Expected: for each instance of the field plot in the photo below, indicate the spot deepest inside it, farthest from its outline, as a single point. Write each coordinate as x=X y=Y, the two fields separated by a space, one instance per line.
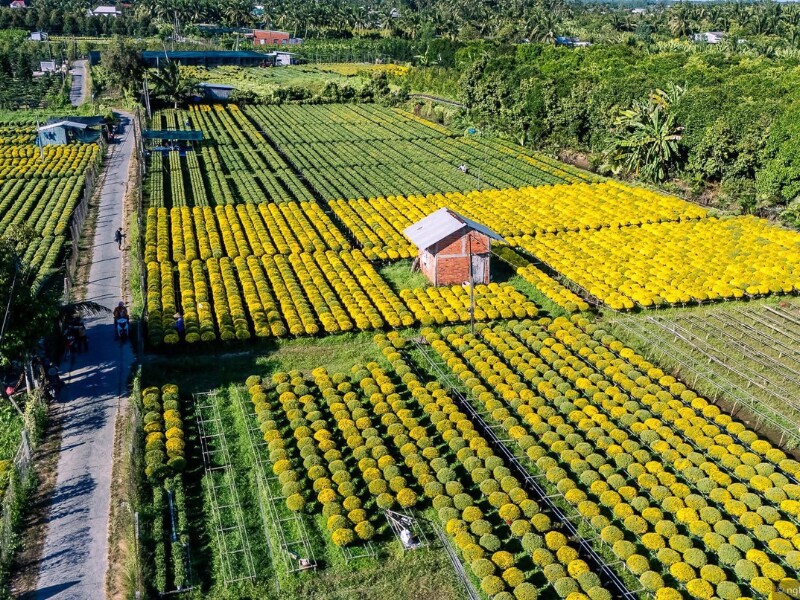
x=237 y=164
x=239 y=230
x=352 y=445
x=363 y=151
x=748 y=355
x=687 y=498
x=380 y=221
x=39 y=192
x=263 y=82
x=675 y=263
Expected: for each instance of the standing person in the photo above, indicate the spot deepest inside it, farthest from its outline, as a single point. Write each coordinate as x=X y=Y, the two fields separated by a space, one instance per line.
x=118 y=237
x=179 y=325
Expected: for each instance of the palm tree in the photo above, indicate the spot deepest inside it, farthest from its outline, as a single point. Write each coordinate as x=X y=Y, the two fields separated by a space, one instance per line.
x=171 y=84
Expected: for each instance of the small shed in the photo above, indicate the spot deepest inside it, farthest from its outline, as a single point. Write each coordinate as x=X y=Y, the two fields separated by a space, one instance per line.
x=65 y=132
x=452 y=248
x=215 y=91
x=105 y=11
x=283 y=59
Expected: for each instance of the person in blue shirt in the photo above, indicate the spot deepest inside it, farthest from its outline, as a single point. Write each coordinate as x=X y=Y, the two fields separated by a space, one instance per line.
x=179 y=326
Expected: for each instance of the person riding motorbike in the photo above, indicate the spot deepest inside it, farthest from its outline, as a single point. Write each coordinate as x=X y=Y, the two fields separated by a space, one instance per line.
x=121 y=320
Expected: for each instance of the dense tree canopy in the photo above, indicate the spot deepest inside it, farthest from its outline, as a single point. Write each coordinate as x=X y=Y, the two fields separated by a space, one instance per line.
x=502 y=20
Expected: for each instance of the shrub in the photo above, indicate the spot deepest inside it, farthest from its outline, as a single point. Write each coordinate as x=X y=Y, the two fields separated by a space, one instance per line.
x=492 y=585
x=526 y=591
x=406 y=498
x=503 y=559
x=682 y=572
x=343 y=537
x=513 y=577
x=364 y=530
x=482 y=568
x=490 y=541
x=472 y=513
x=698 y=588
x=565 y=586
x=295 y=503
x=651 y=581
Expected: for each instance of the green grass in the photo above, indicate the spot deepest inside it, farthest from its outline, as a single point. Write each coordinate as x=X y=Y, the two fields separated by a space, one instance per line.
x=10 y=431
x=208 y=371
x=551 y=308
x=400 y=276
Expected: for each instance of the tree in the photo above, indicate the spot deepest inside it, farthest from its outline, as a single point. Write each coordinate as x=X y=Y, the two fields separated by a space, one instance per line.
x=172 y=84
x=123 y=64
x=28 y=305
x=646 y=137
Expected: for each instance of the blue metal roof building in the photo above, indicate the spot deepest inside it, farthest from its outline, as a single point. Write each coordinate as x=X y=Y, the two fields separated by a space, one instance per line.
x=208 y=58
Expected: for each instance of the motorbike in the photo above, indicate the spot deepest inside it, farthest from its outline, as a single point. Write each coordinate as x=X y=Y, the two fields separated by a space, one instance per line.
x=122 y=328
x=53 y=383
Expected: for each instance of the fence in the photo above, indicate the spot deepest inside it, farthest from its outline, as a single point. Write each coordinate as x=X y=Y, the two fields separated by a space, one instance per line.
x=138 y=182
x=78 y=220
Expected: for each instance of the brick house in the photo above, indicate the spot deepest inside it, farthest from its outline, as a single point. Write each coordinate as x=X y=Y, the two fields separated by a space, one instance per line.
x=451 y=247
x=264 y=37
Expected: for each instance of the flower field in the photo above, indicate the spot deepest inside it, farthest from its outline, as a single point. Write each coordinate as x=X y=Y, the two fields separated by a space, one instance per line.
x=238 y=166
x=40 y=193
x=380 y=221
x=548 y=286
x=362 y=151
x=165 y=459
x=239 y=230
x=675 y=263
x=350 y=445
x=324 y=292
x=692 y=502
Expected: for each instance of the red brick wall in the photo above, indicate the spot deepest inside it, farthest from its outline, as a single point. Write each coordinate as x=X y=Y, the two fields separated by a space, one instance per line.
x=457 y=243
x=263 y=37
x=448 y=263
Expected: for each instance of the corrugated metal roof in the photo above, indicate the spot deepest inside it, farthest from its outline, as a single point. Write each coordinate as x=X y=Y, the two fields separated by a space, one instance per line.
x=438 y=225
x=216 y=86
x=198 y=54
x=57 y=124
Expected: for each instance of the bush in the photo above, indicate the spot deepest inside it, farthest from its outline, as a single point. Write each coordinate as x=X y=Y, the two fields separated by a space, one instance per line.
x=406 y=498
x=343 y=537
x=492 y=585
x=503 y=559
x=526 y=591
x=295 y=503
x=513 y=577
x=490 y=542
x=566 y=586
x=482 y=568
x=364 y=530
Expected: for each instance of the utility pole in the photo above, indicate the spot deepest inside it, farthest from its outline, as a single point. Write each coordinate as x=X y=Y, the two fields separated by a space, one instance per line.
x=471 y=286
x=147 y=95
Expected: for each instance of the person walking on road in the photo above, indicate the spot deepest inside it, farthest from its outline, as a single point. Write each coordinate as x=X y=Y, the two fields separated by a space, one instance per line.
x=118 y=237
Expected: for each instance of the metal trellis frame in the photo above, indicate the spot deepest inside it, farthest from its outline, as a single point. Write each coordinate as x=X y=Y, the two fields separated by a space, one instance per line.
x=294 y=545
x=532 y=485
x=472 y=593
x=738 y=396
x=407 y=529
x=220 y=481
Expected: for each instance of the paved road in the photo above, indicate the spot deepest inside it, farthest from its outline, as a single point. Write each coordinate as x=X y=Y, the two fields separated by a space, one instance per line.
x=75 y=554
x=78 y=92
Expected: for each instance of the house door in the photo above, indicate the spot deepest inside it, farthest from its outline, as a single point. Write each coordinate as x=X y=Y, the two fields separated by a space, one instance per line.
x=478 y=269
